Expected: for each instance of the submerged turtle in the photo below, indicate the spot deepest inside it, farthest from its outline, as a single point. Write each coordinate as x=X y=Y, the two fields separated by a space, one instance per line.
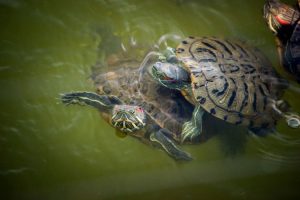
x=146 y=110
x=135 y=86
x=228 y=79
x=284 y=22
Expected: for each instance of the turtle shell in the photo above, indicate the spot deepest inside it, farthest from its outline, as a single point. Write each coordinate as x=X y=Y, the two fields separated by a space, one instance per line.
x=167 y=108
x=230 y=80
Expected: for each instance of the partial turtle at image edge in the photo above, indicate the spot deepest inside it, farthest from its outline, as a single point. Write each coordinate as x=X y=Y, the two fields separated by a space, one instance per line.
x=284 y=21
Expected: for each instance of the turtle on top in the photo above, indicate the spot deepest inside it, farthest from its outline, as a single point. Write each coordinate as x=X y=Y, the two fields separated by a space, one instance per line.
x=229 y=80
x=283 y=21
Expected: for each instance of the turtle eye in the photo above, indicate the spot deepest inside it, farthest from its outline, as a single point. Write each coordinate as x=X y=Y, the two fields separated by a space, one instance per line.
x=139 y=109
x=166 y=78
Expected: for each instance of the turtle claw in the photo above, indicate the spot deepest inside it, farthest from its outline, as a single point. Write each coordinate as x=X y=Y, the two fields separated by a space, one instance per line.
x=183 y=156
x=71 y=98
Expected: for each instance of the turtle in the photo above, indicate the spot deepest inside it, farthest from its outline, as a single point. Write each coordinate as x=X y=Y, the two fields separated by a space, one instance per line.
x=228 y=79
x=143 y=109
x=135 y=86
x=283 y=21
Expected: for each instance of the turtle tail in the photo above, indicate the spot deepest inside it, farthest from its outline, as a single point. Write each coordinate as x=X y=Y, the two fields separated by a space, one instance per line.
x=282 y=108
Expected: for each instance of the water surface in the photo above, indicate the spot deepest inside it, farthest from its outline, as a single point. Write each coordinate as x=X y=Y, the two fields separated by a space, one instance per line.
x=49 y=151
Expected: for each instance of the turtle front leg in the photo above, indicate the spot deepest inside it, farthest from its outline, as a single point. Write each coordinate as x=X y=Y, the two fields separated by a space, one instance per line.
x=168 y=145
x=193 y=128
x=89 y=98
x=168 y=55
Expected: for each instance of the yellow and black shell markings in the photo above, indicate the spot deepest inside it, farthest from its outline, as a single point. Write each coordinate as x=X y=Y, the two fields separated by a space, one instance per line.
x=230 y=80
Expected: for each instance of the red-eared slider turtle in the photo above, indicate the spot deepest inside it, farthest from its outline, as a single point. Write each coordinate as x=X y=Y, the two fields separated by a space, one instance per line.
x=227 y=79
x=284 y=22
x=145 y=110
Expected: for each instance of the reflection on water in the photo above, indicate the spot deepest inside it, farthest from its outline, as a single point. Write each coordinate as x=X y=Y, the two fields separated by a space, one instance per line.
x=57 y=152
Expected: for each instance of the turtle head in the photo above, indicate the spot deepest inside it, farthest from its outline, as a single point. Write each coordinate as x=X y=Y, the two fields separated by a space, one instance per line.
x=128 y=118
x=170 y=75
x=280 y=17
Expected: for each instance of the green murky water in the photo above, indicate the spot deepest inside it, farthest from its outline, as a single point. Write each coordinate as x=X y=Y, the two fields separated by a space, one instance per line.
x=49 y=151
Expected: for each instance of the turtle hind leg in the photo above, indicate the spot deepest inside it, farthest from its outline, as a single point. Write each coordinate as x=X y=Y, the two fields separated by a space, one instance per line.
x=192 y=129
x=292 y=119
x=159 y=137
x=282 y=109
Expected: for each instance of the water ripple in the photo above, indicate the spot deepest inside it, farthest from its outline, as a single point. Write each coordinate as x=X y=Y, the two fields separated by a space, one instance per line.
x=285 y=140
x=279 y=148
x=280 y=158
x=10 y=3
x=14 y=171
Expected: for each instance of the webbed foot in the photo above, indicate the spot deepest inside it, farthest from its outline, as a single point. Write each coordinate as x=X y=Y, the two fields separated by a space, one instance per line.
x=293 y=120
x=189 y=132
x=72 y=98
x=193 y=128
x=282 y=109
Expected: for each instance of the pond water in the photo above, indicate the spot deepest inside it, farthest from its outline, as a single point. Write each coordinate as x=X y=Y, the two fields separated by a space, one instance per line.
x=49 y=151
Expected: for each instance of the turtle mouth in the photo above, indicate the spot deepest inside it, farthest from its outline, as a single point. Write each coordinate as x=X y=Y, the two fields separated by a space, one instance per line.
x=159 y=75
x=126 y=127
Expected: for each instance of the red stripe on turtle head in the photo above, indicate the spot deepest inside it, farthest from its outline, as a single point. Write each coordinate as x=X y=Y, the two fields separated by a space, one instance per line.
x=281 y=20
